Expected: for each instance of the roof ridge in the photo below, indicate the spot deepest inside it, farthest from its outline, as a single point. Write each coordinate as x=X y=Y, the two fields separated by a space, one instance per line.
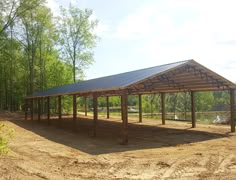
x=137 y=70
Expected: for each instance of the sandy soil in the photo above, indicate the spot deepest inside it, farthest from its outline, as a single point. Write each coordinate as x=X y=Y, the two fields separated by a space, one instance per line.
x=173 y=151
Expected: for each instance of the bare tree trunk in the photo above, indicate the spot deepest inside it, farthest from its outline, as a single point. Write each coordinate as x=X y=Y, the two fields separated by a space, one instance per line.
x=11 y=74
x=74 y=58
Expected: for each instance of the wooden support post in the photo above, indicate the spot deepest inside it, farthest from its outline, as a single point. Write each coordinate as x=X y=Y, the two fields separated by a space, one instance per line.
x=124 y=109
x=48 y=109
x=121 y=104
x=108 y=109
x=193 y=109
x=232 y=109
x=95 y=114
x=39 y=109
x=140 y=107
x=163 y=110
x=59 y=108
x=32 y=109
x=26 y=109
x=85 y=106
x=74 y=109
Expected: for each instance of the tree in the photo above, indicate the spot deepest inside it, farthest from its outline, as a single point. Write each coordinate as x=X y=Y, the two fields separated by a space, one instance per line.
x=204 y=101
x=38 y=39
x=221 y=101
x=29 y=59
x=10 y=10
x=77 y=38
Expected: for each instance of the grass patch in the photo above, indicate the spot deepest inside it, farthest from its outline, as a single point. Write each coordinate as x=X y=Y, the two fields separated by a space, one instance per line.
x=6 y=133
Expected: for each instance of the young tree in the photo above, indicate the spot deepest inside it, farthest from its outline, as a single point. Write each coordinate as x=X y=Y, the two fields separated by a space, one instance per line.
x=77 y=38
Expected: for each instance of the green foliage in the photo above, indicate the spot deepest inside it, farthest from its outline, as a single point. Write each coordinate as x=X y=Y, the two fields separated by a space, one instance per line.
x=5 y=134
x=174 y=102
x=77 y=38
x=221 y=101
x=204 y=101
x=29 y=56
x=11 y=10
x=151 y=103
x=67 y=104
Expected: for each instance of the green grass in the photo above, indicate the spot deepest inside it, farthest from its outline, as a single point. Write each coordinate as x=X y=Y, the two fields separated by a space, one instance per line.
x=5 y=134
x=202 y=117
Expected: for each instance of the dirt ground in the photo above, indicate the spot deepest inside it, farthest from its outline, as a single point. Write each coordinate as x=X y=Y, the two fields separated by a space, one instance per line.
x=172 y=151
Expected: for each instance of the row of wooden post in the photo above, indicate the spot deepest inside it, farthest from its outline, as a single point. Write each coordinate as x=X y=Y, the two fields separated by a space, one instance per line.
x=48 y=108
x=124 y=110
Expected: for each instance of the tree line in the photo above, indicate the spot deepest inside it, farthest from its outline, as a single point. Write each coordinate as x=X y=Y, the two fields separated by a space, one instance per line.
x=174 y=102
x=151 y=103
x=39 y=50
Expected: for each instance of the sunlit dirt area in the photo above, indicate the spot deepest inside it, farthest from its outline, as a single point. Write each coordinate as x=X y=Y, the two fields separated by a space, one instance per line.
x=154 y=151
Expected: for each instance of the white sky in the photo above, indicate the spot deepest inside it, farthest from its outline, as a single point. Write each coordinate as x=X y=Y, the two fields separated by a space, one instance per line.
x=136 y=34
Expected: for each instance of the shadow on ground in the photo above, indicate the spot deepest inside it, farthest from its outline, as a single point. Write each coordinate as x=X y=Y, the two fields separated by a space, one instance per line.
x=109 y=135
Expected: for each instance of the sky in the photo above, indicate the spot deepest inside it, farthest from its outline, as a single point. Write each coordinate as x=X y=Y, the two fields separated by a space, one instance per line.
x=136 y=34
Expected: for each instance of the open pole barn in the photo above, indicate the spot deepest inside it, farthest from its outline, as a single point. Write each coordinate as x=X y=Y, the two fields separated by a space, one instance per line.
x=183 y=76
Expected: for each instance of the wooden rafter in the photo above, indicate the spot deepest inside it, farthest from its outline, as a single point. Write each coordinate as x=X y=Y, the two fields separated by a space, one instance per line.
x=207 y=76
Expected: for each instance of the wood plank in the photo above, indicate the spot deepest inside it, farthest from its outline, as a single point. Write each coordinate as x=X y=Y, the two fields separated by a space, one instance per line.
x=155 y=91
x=26 y=109
x=163 y=111
x=232 y=109
x=108 y=109
x=39 y=109
x=184 y=82
x=152 y=91
x=74 y=110
x=202 y=89
x=193 y=109
x=124 y=109
x=59 y=108
x=121 y=104
x=202 y=85
x=85 y=106
x=95 y=114
x=48 y=109
x=140 y=107
x=172 y=89
x=32 y=109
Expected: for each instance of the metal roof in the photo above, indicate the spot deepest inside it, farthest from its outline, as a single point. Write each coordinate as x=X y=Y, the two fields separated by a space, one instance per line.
x=108 y=82
x=128 y=79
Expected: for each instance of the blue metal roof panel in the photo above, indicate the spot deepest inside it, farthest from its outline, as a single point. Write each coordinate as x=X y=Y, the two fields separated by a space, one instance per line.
x=109 y=82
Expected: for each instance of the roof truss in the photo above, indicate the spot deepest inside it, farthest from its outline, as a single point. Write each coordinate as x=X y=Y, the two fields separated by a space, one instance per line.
x=187 y=77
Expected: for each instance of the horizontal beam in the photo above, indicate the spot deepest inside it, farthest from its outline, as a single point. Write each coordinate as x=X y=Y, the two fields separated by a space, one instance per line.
x=189 y=84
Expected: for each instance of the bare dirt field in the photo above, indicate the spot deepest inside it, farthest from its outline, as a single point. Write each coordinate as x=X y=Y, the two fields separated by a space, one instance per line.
x=172 y=151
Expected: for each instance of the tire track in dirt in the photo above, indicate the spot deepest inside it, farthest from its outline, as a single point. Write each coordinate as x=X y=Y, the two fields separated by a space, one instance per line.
x=227 y=165
x=186 y=167
x=33 y=162
x=218 y=165
x=169 y=172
